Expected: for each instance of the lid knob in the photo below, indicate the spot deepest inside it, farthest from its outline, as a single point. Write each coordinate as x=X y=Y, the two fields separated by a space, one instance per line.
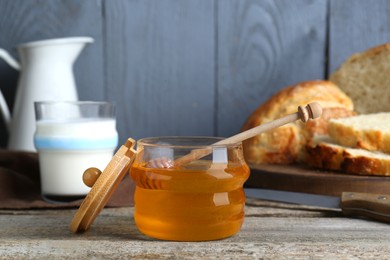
x=90 y=176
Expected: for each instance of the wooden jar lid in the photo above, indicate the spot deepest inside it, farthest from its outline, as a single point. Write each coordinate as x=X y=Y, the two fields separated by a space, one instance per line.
x=104 y=187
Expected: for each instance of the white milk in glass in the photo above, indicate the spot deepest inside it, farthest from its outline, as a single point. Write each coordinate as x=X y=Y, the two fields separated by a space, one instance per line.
x=67 y=148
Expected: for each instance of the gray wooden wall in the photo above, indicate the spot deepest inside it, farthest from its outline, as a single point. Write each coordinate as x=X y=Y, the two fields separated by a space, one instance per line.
x=193 y=67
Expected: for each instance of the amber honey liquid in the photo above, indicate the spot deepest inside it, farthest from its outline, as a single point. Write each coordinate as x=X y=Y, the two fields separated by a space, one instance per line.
x=203 y=202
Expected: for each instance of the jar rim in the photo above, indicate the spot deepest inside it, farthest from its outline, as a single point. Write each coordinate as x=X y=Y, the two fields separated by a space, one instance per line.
x=185 y=142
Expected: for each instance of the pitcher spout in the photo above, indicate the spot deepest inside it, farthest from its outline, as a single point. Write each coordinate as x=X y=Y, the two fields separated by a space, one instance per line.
x=78 y=44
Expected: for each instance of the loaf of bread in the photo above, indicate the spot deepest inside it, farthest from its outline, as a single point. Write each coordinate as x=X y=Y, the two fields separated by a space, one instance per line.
x=365 y=78
x=339 y=140
x=285 y=144
x=370 y=132
x=323 y=152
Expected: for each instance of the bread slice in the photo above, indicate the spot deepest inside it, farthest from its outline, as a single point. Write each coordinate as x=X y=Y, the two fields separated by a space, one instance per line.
x=285 y=144
x=364 y=77
x=370 y=132
x=324 y=153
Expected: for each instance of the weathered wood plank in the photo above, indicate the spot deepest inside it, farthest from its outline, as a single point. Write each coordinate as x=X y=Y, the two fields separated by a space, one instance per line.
x=160 y=66
x=355 y=26
x=264 y=46
x=269 y=232
x=23 y=21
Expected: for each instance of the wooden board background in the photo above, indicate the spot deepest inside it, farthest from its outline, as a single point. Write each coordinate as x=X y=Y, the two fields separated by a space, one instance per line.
x=196 y=67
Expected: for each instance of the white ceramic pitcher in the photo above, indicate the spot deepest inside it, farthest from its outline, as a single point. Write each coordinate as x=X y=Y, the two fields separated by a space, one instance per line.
x=46 y=75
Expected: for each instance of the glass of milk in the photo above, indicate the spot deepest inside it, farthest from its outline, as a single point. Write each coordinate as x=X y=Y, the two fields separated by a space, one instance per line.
x=71 y=137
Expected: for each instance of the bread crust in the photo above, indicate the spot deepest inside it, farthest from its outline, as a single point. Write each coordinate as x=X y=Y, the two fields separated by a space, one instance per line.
x=323 y=156
x=284 y=145
x=326 y=155
x=362 y=165
x=370 y=53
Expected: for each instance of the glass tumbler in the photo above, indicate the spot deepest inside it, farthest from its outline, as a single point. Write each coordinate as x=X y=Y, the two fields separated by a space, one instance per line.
x=197 y=201
x=71 y=137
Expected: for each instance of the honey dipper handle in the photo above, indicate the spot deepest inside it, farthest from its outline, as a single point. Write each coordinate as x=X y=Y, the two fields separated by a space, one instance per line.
x=259 y=129
x=311 y=111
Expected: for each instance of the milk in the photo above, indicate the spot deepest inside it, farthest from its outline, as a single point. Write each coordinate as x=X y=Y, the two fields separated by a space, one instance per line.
x=67 y=148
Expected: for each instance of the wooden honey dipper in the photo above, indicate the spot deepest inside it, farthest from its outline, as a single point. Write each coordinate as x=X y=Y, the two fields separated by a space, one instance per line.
x=311 y=111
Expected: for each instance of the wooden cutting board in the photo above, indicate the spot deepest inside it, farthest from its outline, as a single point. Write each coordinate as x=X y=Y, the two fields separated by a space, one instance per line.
x=298 y=178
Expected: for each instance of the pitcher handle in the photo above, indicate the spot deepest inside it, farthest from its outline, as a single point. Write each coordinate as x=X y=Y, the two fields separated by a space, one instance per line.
x=8 y=58
x=3 y=104
x=5 y=111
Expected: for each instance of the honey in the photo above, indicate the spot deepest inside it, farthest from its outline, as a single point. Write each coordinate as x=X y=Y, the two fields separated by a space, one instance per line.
x=200 y=201
x=189 y=200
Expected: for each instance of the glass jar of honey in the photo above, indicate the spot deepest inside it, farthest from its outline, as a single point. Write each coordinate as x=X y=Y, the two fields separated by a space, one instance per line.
x=202 y=199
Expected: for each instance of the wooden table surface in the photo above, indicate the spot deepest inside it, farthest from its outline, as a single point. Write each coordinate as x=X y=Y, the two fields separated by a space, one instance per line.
x=270 y=231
